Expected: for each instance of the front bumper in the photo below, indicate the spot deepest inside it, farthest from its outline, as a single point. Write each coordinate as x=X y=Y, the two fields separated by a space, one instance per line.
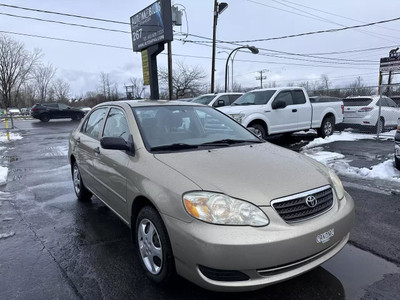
x=266 y=255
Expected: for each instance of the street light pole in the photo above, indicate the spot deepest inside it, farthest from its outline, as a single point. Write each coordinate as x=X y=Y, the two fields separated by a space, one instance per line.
x=218 y=9
x=253 y=50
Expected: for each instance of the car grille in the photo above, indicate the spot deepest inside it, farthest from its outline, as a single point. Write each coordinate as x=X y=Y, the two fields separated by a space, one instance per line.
x=294 y=208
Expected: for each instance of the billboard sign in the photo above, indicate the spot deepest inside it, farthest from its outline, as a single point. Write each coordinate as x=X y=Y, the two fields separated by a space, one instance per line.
x=391 y=63
x=152 y=25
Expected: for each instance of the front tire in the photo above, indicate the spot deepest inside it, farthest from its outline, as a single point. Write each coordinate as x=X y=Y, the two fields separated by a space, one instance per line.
x=259 y=130
x=153 y=246
x=77 y=117
x=82 y=193
x=327 y=127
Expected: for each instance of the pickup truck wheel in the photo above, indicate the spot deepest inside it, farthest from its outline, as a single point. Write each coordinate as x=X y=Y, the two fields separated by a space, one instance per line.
x=397 y=163
x=153 y=246
x=82 y=193
x=258 y=130
x=327 y=127
x=44 y=117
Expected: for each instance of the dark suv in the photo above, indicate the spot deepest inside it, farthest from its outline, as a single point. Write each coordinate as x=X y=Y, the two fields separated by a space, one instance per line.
x=46 y=111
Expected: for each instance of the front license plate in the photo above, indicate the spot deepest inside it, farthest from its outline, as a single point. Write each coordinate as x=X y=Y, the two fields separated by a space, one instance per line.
x=325 y=236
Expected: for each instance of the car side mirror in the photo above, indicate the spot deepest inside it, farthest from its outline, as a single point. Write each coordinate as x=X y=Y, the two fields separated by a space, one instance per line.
x=279 y=104
x=118 y=143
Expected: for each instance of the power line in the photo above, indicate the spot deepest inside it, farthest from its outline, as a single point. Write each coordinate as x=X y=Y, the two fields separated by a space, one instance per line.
x=63 y=23
x=178 y=55
x=329 y=21
x=64 y=14
x=333 y=14
x=310 y=33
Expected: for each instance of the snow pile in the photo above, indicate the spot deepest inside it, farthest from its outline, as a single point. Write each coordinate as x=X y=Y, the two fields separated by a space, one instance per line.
x=6 y=235
x=324 y=157
x=336 y=161
x=342 y=136
x=3 y=175
x=13 y=137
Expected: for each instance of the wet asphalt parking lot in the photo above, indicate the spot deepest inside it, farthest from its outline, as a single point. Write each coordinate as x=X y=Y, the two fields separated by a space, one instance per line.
x=60 y=248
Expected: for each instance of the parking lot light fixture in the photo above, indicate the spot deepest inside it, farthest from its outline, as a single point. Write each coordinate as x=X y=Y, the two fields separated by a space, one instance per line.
x=253 y=50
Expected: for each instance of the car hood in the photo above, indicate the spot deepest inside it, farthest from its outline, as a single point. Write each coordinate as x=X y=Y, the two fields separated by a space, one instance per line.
x=258 y=173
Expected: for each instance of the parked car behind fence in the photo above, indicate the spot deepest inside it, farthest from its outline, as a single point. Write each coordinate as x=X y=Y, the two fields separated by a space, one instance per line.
x=362 y=112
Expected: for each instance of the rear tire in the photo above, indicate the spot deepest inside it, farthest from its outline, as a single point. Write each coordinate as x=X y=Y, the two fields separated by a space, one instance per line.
x=82 y=193
x=154 y=247
x=327 y=127
x=45 y=118
x=397 y=163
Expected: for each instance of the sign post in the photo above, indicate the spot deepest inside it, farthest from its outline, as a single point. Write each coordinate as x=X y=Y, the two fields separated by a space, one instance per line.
x=151 y=28
x=389 y=65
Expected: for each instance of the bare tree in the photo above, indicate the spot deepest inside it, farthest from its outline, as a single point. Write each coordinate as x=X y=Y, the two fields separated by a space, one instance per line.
x=16 y=64
x=136 y=87
x=61 y=89
x=186 y=81
x=107 y=88
x=325 y=83
x=43 y=76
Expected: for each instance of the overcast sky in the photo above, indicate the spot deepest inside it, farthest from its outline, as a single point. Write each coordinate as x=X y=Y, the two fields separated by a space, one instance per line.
x=81 y=64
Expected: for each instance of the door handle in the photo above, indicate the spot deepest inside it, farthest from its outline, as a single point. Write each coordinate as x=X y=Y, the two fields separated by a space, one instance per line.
x=294 y=110
x=96 y=150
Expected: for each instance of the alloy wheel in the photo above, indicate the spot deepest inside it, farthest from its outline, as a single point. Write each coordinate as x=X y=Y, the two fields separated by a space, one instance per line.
x=150 y=247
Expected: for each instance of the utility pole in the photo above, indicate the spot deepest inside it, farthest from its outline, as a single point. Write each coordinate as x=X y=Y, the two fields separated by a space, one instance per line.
x=170 y=91
x=213 y=44
x=261 y=77
x=218 y=9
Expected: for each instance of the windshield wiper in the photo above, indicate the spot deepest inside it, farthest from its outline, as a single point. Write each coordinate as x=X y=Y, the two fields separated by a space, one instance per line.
x=227 y=142
x=177 y=146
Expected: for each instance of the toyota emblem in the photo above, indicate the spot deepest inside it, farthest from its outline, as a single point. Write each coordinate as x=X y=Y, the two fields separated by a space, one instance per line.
x=311 y=201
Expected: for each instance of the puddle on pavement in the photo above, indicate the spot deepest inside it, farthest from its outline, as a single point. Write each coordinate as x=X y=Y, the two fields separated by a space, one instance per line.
x=357 y=270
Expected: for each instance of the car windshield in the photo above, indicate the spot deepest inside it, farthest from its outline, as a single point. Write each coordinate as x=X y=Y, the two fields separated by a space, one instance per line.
x=255 y=98
x=181 y=127
x=205 y=99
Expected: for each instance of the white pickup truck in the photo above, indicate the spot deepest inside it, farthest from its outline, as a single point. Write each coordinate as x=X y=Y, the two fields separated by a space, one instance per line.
x=285 y=110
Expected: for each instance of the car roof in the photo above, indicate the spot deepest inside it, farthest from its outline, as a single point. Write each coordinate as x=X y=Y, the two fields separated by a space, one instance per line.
x=148 y=102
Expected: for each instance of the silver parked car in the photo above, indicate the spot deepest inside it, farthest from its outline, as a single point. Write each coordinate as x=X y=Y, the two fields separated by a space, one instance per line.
x=207 y=199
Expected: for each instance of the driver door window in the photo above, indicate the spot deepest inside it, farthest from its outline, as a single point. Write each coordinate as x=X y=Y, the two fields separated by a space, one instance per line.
x=116 y=125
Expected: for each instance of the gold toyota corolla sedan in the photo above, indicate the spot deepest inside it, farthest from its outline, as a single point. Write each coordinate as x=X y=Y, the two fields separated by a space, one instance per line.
x=207 y=199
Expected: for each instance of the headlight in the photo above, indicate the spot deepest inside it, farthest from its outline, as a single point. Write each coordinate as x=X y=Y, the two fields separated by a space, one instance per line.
x=237 y=117
x=221 y=209
x=337 y=185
